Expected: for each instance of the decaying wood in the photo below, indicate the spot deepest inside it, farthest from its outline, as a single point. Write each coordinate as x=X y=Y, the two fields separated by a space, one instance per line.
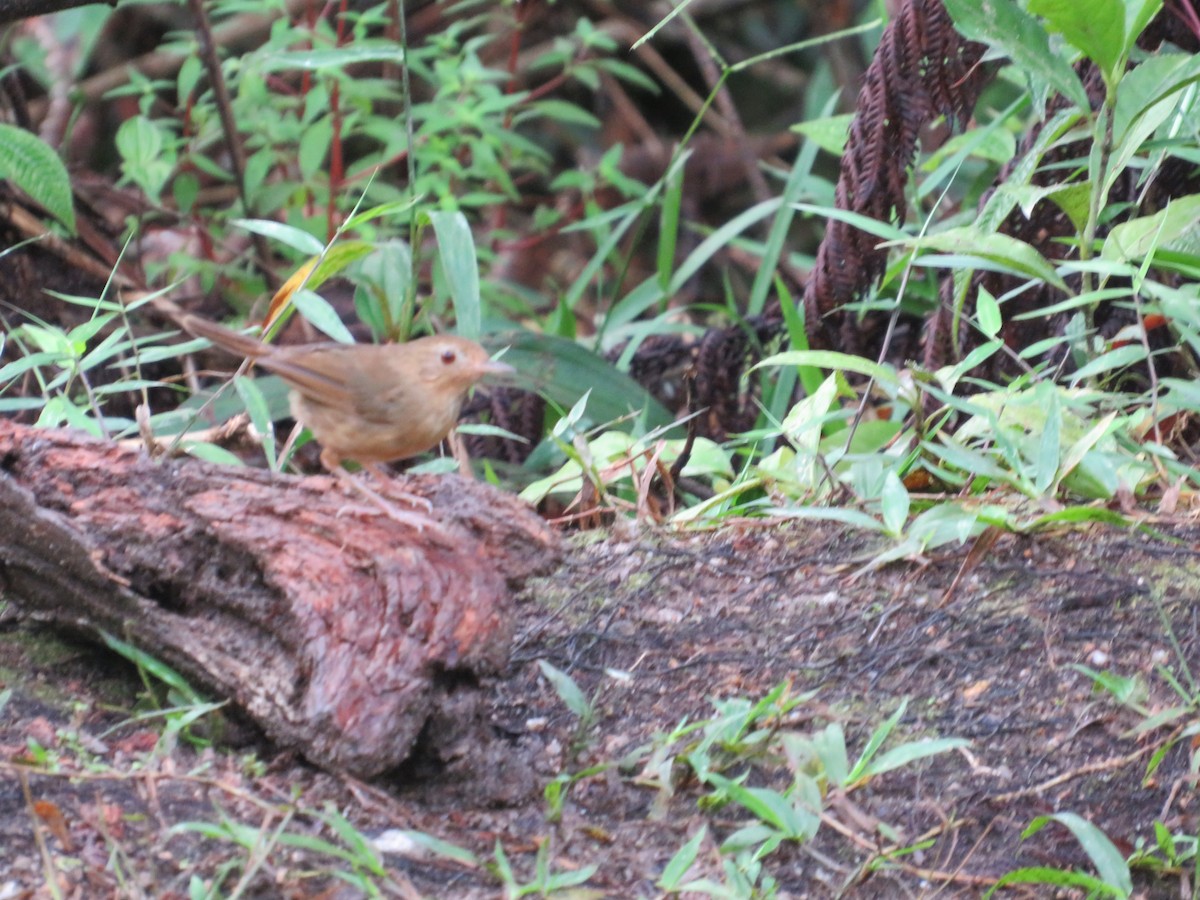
x=333 y=627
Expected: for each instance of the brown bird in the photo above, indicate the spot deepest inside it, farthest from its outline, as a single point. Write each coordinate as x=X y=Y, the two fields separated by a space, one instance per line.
x=366 y=402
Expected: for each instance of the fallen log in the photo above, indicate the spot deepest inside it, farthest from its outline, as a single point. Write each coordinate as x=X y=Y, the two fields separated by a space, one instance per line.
x=334 y=628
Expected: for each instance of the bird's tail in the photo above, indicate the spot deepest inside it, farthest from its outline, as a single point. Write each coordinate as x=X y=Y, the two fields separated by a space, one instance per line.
x=225 y=338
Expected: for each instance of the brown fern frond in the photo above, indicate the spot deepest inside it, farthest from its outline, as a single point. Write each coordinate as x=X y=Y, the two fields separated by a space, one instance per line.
x=922 y=69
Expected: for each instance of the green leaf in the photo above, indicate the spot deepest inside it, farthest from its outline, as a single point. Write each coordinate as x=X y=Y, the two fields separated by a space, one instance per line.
x=828 y=133
x=875 y=741
x=336 y=259
x=1137 y=238
x=911 y=752
x=351 y=54
x=851 y=517
x=719 y=241
x=1057 y=877
x=313 y=147
x=987 y=310
x=456 y=249
x=894 y=503
x=148 y=154
x=285 y=234
x=385 y=279
x=260 y=414
x=153 y=666
x=1144 y=88
x=211 y=453
x=668 y=228
x=1050 y=446
x=831 y=359
x=993 y=251
x=441 y=848
x=1130 y=691
x=679 y=864
x=563 y=371
x=1107 y=859
x=567 y=690
x=1096 y=27
x=802 y=427
x=1138 y=14
x=1113 y=359
x=884 y=230
x=316 y=309
x=1004 y=25
x=32 y=166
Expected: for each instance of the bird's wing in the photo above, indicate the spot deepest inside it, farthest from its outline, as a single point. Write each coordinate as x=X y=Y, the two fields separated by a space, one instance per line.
x=320 y=373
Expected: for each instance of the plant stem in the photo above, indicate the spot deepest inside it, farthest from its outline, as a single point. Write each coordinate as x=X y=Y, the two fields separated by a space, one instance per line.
x=1098 y=197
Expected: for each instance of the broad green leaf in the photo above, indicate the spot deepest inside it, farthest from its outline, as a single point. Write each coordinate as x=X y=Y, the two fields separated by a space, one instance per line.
x=456 y=250
x=987 y=311
x=831 y=359
x=260 y=414
x=148 y=158
x=1138 y=14
x=384 y=280
x=802 y=427
x=908 y=753
x=993 y=142
x=313 y=147
x=31 y=165
x=317 y=310
x=631 y=307
x=285 y=234
x=1078 y=451
x=1146 y=98
x=1004 y=25
x=567 y=689
x=1107 y=362
x=1144 y=87
x=845 y=516
x=563 y=371
x=894 y=504
x=1096 y=27
x=11 y=371
x=1045 y=464
x=875 y=741
x=1137 y=238
x=994 y=250
x=949 y=376
x=1001 y=202
x=1073 y=199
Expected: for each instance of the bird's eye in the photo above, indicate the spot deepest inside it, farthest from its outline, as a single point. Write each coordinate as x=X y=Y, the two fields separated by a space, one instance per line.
x=449 y=356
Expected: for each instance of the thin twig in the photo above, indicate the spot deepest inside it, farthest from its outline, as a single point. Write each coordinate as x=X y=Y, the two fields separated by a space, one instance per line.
x=237 y=153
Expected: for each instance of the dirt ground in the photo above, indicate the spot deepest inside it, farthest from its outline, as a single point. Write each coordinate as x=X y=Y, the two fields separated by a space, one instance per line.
x=653 y=629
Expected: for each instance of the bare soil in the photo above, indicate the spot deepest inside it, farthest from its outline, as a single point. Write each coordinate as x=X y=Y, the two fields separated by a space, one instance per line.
x=654 y=628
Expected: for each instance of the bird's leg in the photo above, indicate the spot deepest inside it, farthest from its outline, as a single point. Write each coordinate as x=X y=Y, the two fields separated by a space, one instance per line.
x=405 y=517
x=458 y=450
x=393 y=491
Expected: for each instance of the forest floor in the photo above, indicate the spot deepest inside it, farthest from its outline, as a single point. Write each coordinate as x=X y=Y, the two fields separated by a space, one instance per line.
x=106 y=802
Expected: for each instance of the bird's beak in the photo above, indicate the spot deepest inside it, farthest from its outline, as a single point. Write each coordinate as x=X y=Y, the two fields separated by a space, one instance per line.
x=495 y=367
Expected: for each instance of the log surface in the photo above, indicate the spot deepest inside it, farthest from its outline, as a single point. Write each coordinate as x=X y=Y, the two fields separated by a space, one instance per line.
x=332 y=626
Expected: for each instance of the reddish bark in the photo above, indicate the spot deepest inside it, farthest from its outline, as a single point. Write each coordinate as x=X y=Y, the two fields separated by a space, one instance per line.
x=330 y=625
